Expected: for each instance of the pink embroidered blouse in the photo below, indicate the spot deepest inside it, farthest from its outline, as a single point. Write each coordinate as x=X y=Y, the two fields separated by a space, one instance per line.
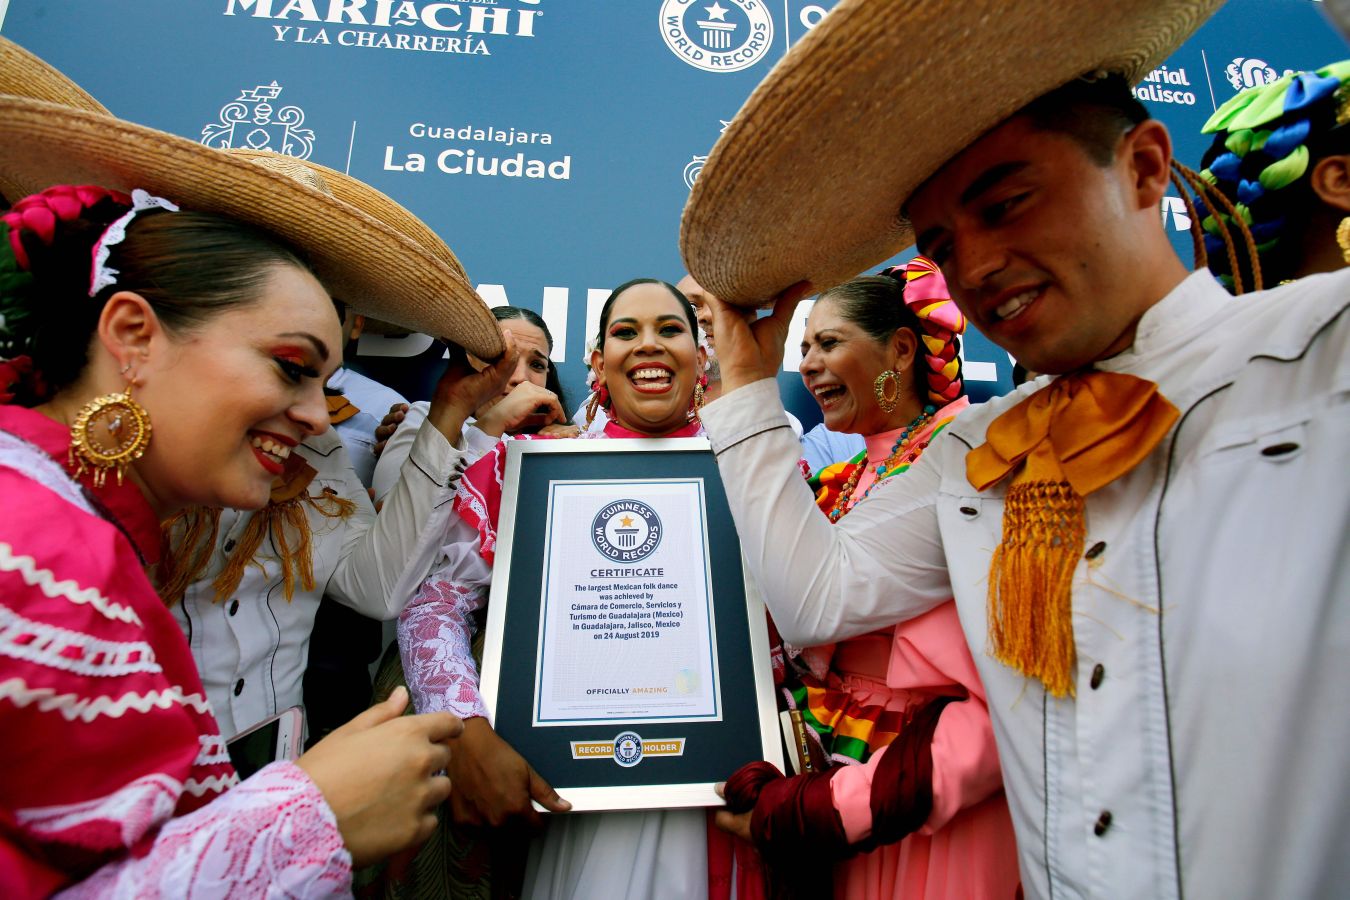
x=117 y=781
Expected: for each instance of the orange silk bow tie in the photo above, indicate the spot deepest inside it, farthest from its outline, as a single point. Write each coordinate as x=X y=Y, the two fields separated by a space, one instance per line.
x=1075 y=435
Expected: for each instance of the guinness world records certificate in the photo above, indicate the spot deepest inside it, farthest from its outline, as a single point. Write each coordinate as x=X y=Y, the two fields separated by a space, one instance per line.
x=626 y=655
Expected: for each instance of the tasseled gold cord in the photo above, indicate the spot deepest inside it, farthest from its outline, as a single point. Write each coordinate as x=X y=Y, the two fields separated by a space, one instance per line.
x=1031 y=583
x=284 y=520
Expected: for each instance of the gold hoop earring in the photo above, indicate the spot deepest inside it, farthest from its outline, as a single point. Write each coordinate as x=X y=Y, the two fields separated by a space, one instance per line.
x=1343 y=238
x=886 y=403
x=698 y=401
x=110 y=432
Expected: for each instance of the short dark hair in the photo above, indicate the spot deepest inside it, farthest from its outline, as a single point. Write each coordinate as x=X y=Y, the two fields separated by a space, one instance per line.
x=1093 y=111
x=674 y=292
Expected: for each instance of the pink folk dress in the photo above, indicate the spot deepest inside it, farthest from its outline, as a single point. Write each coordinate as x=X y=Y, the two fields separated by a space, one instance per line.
x=966 y=848
x=115 y=779
x=640 y=855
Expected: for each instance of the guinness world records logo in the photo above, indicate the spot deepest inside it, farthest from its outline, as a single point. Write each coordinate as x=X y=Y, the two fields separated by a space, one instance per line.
x=626 y=531
x=628 y=749
x=717 y=35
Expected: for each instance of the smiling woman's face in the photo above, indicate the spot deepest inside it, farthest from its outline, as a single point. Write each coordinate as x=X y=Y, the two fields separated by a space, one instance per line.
x=230 y=399
x=839 y=364
x=649 y=362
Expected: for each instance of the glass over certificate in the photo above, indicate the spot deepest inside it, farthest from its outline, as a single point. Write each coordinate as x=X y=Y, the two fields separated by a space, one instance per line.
x=626 y=630
x=626 y=653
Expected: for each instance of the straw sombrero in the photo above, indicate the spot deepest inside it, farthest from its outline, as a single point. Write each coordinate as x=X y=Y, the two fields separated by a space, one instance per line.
x=807 y=181
x=367 y=249
x=357 y=193
x=25 y=75
x=358 y=257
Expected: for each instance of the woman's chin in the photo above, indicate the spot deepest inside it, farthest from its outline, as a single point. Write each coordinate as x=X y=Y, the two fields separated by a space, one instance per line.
x=835 y=421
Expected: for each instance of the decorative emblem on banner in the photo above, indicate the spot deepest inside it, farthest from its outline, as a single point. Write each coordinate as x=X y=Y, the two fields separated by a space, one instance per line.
x=1249 y=72
x=250 y=120
x=627 y=749
x=717 y=37
x=626 y=531
x=1175 y=208
x=692 y=170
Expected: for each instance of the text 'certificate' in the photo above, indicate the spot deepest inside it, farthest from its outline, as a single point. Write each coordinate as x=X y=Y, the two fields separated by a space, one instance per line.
x=626 y=630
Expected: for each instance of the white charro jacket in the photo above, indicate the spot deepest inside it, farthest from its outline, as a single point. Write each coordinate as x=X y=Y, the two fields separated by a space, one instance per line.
x=252 y=649
x=1205 y=754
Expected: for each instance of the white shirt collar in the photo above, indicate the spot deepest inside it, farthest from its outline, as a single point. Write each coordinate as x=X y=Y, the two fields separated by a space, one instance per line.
x=1172 y=321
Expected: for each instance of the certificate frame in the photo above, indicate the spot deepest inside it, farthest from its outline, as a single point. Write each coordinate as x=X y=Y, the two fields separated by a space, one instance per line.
x=596 y=766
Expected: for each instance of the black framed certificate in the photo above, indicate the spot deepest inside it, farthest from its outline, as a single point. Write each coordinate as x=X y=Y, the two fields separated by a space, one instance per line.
x=626 y=655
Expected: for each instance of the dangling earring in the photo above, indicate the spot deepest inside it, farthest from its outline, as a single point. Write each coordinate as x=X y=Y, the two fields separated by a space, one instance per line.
x=700 y=388
x=599 y=399
x=110 y=432
x=1343 y=238
x=886 y=403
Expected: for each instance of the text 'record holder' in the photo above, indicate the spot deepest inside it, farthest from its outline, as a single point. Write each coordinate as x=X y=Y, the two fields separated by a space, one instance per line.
x=626 y=654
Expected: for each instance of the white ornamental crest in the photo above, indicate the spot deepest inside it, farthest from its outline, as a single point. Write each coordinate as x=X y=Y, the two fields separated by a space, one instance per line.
x=1249 y=72
x=251 y=121
x=692 y=170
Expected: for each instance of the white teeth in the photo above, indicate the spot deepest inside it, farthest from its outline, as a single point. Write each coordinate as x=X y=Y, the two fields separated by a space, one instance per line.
x=651 y=373
x=1010 y=308
x=827 y=389
x=272 y=448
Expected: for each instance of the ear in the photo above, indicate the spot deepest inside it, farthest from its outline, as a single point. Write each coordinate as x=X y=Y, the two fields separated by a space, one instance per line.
x=904 y=346
x=129 y=330
x=1330 y=180
x=598 y=367
x=1146 y=152
x=358 y=326
x=702 y=361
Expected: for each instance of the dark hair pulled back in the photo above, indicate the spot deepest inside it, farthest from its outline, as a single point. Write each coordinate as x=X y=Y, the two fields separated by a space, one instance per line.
x=188 y=266
x=674 y=292
x=876 y=304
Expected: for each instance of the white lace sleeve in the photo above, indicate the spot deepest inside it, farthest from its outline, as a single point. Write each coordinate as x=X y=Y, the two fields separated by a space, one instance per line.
x=271 y=836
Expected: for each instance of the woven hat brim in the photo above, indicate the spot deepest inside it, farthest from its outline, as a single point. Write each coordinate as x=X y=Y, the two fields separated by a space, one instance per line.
x=807 y=181
x=359 y=258
x=25 y=75
x=379 y=204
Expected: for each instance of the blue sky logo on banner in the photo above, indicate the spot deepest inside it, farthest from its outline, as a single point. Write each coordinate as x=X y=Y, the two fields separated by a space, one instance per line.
x=718 y=36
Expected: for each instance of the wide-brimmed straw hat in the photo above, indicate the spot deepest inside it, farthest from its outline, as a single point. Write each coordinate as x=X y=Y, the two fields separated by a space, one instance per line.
x=25 y=75
x=359 y=258
x=368 y=250
x=807 y=181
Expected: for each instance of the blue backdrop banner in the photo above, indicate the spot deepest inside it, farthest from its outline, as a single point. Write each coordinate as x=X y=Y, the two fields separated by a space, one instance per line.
x=552 y=143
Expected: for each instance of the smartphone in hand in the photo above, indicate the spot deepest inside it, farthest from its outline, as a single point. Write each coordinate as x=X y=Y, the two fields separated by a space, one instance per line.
x=279 y=737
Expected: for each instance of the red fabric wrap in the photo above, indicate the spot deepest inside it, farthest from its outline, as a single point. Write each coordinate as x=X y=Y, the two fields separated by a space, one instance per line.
x=796 y=816
x=902 y=786
x=792 y=817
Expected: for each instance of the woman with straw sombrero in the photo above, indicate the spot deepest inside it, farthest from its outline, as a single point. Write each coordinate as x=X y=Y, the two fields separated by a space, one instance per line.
x=1146 y=546
x=166 y=331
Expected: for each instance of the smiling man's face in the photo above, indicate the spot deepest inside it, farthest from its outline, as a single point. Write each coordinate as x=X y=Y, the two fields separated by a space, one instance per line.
x=1044 y=249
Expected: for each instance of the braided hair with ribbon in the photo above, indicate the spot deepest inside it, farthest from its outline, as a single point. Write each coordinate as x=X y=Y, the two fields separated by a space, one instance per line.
x=1254 y=178
x=46 y=243
x=941 y=325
